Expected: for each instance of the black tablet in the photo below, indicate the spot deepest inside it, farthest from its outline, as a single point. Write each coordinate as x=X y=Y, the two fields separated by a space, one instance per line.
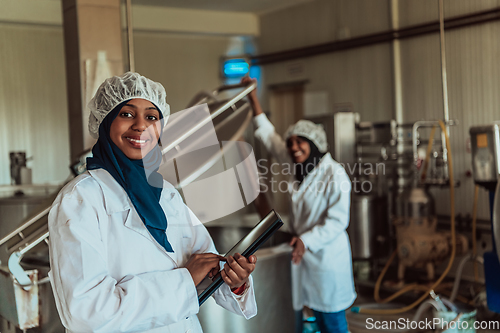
x=246 y=247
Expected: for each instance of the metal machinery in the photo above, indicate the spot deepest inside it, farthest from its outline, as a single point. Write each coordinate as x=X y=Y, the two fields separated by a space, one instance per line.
x=27 y=299
x=369 y=229
x=419 y=244
x=485 y=144
x=389 y=190
x=19 y=173
x=24 y=306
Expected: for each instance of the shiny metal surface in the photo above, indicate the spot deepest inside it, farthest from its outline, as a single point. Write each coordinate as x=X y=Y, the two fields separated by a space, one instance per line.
x=380 y=132
x=17 y=161
x=272 y=283
x=414 y=202
x=416 y=141
x=229 y=127
x=49 y=317
x=13 y=211
x=216 y=112
x=272 y=219
x=34 y=306
x=345 y=137
x=496 y=219
x=442 y=48
x=369 y=230
x=130 y=36
x=18 y=306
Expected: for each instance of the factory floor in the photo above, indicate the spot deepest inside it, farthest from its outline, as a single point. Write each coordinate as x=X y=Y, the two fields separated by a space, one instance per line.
x=362 y=323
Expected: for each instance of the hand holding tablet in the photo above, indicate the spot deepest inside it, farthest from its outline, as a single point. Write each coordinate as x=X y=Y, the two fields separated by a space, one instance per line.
x=246 y=247
x=237 y=269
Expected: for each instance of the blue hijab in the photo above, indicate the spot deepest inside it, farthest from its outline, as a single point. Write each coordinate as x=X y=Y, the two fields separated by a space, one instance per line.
x=133 y=176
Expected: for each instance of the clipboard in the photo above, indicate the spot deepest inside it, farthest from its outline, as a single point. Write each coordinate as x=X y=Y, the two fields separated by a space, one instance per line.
x=246 y=247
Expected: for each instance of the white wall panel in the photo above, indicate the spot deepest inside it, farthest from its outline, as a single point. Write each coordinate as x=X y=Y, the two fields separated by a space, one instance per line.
x=184 y=64
x=414 y=12
x=33 y=108
x=320 y=21
x=359 y=76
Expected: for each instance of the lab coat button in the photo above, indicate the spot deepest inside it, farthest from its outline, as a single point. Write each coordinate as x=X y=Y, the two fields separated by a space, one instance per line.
x=188 y=331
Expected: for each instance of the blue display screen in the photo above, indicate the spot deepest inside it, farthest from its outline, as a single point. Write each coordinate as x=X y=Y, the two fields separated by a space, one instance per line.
x=235 y=68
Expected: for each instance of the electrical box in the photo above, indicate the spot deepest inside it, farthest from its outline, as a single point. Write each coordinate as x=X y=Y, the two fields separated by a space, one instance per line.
x=485 y=144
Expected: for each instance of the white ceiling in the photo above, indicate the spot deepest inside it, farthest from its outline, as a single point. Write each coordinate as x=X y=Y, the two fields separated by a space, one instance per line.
x=253 y=6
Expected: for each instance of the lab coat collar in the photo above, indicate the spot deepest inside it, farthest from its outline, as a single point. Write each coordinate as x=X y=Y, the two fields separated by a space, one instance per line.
x=117 y=200
x=115 y=197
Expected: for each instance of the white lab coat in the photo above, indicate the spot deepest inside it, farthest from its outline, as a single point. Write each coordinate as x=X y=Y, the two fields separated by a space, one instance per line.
x=323 y=280
x=109 y=274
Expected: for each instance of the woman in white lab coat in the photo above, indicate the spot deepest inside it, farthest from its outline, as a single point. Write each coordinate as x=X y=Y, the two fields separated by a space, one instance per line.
x=319 y=191
x=126 y=253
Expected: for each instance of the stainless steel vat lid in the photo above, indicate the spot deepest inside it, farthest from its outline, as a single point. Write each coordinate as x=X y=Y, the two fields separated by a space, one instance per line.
x=190 y=136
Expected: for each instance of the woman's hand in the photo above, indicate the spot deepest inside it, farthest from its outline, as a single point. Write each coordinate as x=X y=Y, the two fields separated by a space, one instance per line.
x=237 y=270
x=298 y=249
x=252 y=97
x=202 y=264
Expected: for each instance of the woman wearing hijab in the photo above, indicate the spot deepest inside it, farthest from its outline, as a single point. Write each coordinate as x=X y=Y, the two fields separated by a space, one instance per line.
x=319 y=193
x=126 y=253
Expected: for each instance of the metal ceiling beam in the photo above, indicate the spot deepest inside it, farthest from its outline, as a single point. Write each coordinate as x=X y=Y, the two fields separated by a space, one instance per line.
x=381 y=37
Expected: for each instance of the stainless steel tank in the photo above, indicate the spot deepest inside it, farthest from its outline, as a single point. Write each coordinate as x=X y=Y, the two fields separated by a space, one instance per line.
x=369 y=229
x=13 y=211
x=415 y=202
x=272 y=283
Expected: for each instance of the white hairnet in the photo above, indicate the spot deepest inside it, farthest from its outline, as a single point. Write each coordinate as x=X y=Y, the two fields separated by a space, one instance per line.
x=311 y=131
x=118 y=89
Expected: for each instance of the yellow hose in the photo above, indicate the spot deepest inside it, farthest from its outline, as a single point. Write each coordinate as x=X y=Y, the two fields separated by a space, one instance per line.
x=376 y=295
x=376 y=291
x=474 y=227
x=453 y=248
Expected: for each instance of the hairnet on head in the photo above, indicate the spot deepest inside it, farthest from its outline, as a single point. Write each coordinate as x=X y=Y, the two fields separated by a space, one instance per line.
x=310 y=130
x=118 y=89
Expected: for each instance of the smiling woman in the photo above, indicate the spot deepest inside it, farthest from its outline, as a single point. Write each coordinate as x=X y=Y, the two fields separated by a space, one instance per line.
x=298 y=148
x=322 y=276
x=126 y=253
x=136 y=129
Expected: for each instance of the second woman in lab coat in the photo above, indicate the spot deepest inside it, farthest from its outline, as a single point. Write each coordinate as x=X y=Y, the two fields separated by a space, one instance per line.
x=319 y=192
x=126 y=253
